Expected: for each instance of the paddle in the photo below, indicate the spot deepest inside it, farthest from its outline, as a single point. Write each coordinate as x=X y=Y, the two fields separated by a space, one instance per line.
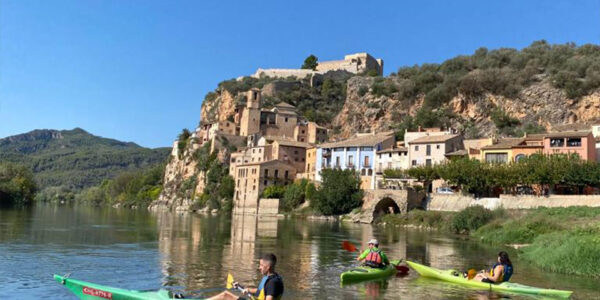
x=230 y=282
x=346 y=245
x=402 y=270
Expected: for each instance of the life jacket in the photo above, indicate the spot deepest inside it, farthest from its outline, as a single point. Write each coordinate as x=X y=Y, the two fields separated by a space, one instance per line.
x=374 y=259
x=261 y=286
x=260 y=291
x=506 y=274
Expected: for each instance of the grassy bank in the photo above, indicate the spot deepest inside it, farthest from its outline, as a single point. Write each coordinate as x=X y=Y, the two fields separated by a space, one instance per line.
x=564 y=240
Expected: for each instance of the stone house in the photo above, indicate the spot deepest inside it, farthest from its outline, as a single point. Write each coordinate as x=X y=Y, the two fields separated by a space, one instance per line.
x=252 y=178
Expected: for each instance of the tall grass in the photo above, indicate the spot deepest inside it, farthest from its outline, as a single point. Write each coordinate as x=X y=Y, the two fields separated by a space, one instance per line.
x=570 y=252
x=519 y=231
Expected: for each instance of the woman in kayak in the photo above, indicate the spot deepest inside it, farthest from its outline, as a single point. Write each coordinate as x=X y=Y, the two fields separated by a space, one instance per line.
x=500 y=272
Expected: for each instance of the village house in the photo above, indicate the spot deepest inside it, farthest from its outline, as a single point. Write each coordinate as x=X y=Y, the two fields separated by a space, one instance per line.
x=473 y=146
x=252 y=178
x=311 y=161
x=581 y=143
x=431 y=150
x=357 y=153
x=422 y=132
x=392 y=158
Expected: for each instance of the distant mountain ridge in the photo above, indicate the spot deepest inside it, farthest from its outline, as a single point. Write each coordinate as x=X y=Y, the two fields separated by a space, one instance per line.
x=75 y=158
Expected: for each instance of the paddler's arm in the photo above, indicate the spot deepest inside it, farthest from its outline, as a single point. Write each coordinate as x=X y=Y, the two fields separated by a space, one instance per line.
x=363 y=255
x=385 y=259
x=251 y=291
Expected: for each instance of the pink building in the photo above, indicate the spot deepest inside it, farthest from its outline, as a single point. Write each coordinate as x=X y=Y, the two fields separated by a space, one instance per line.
x=580 y=142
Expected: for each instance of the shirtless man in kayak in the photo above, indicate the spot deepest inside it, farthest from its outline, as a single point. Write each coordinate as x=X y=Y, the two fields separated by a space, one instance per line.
x=270 y=287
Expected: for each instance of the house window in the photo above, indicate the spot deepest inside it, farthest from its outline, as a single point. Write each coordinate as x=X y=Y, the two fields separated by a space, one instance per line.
x=390 y=155
x=302 y=131
x=557 y=142
x=266 y=182
x=286 y=174
x=276 y=173
x=286 y=119
x=414 y=162
x=496 y=157
x=574 y=142
x=350 y=160
x=254 y=188
x=295 y=151
x=266 y=172
x=367 y=162
x=302 y=139
x=428 y=150
x=416 y=148
x=437 y=146
x=428 y=162
x=337 y=161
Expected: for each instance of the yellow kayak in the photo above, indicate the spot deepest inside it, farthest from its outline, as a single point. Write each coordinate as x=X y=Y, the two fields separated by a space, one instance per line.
x=457 y=277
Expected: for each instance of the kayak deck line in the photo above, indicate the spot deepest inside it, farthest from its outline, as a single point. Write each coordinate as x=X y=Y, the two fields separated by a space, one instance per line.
x=455 y=277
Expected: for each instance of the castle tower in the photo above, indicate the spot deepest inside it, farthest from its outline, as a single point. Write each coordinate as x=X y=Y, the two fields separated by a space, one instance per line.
x=250 y=121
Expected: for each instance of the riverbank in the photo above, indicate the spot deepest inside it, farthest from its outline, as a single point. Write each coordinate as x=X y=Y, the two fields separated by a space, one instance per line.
x=564 y=240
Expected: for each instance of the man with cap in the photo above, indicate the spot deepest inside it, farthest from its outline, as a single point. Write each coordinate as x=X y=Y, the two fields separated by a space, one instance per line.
x=373 y=257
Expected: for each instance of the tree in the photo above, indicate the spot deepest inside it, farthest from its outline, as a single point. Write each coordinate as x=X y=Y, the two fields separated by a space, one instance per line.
x=310 y=63
x=294 y=194
x=425 y=174
x=17 y=186
x=339 y=192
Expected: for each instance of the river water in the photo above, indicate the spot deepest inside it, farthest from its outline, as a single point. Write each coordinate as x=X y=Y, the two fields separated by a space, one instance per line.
x=189 y=253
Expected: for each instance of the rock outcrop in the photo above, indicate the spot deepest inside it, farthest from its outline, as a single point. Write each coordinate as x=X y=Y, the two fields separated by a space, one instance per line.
x=539 y=104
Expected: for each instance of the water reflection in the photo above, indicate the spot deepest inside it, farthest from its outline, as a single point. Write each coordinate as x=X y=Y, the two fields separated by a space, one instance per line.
x=194 y=253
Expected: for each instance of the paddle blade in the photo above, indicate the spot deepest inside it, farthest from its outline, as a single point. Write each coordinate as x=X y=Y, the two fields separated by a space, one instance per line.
x=346 y=245
x=229 y=281
x=402 y=269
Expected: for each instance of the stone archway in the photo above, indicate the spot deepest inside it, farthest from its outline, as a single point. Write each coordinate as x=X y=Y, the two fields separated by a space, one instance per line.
x=385 y=206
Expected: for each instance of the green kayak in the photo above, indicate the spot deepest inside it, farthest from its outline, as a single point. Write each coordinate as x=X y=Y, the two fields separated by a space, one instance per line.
x=367 y=273
x=91 y=291
x=455 y=277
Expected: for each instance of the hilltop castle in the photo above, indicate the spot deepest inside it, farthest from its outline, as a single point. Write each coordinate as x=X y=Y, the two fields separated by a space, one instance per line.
x=352 y=63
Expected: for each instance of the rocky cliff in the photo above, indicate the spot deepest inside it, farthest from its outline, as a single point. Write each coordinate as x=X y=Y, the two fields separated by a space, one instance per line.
x=540 y=105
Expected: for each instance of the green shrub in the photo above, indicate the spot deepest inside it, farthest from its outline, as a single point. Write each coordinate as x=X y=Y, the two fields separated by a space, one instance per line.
x=471 y=218
x=273 y=191
x=339 y=192
x=363 y=90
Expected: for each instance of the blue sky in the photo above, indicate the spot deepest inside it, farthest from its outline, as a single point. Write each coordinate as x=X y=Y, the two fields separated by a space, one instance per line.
x=138 y=70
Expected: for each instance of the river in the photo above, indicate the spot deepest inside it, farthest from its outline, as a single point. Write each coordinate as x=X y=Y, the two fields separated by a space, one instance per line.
x=190 y=253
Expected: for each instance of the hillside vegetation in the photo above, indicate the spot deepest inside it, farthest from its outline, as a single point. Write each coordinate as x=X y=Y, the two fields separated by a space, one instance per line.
x=67 y=161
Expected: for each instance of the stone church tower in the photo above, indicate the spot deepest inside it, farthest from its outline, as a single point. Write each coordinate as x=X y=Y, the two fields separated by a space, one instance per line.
x=250 y=122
